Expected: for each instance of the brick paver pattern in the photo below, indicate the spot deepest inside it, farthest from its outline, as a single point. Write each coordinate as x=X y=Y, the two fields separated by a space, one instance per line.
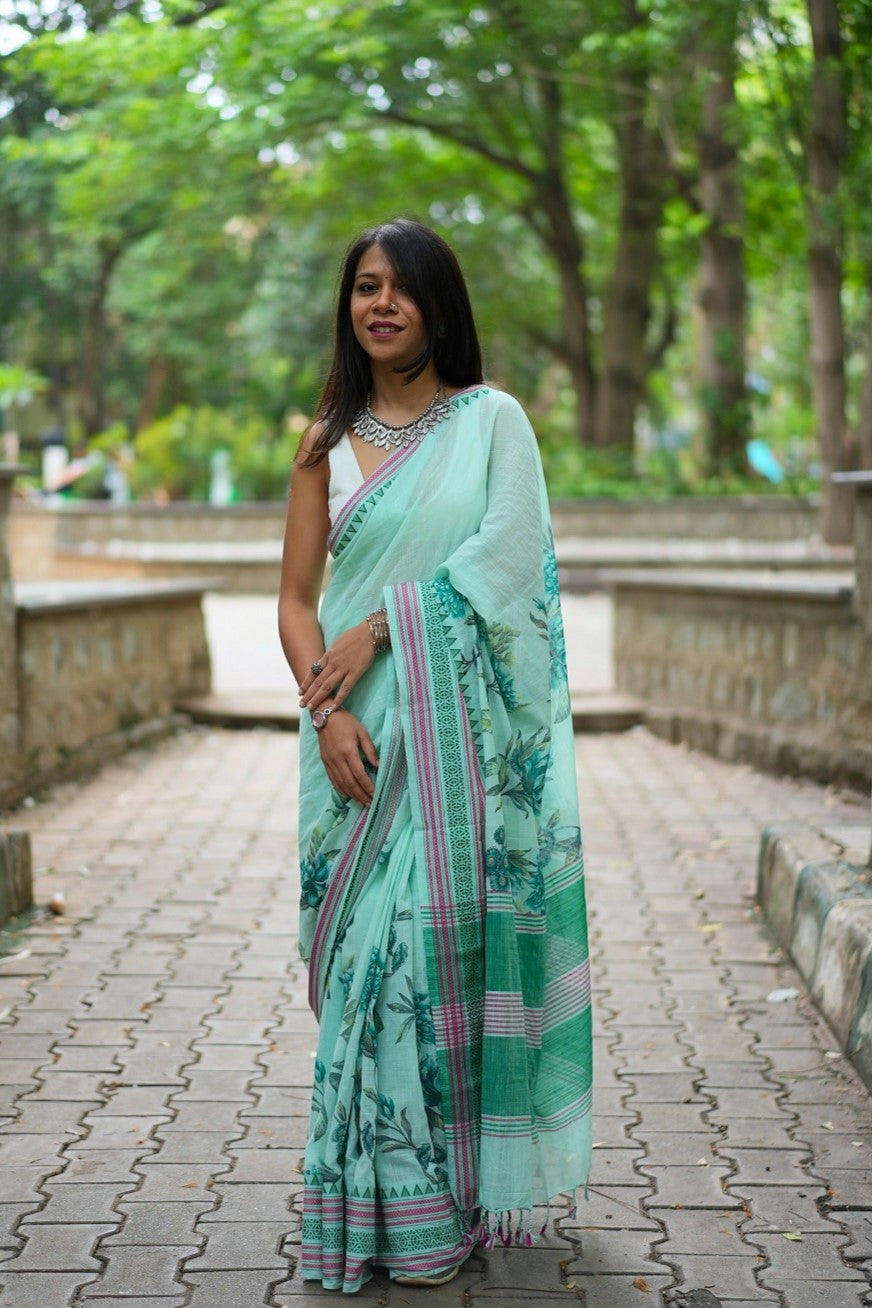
x=157 y=1052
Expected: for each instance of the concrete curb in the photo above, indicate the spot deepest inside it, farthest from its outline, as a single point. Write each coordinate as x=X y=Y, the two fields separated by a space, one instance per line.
x=16 y=874
x=814 y=885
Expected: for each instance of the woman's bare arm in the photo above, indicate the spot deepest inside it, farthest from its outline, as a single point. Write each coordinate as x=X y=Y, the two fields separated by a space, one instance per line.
x=304 y=557
x=344 y=741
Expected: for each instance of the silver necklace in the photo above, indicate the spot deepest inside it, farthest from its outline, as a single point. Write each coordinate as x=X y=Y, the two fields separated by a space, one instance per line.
x=387 y=436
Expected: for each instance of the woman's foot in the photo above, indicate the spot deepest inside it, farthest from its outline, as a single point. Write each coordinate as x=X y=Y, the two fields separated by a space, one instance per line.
x=428 y=1280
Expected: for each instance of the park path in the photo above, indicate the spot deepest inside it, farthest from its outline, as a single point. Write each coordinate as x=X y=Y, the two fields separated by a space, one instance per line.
x=157 y=1052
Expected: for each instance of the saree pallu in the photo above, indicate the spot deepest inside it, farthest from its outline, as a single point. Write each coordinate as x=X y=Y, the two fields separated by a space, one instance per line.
x=444 y=926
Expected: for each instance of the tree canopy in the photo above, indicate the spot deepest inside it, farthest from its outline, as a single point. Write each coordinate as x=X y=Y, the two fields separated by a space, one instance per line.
x=661 y=209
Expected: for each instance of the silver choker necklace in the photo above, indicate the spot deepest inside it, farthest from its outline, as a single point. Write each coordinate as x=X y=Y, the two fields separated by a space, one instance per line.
x=388 y=437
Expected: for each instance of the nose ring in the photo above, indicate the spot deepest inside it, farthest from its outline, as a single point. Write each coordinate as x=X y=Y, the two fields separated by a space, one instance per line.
x=392 y=306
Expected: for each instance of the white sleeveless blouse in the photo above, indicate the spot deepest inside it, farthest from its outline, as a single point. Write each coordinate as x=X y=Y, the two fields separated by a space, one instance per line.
x=345 y=476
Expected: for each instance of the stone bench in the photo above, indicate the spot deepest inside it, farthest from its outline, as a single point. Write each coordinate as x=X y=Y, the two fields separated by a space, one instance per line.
x=773 y=669
x=100 y=666
x=253 y=566
x=242 y=543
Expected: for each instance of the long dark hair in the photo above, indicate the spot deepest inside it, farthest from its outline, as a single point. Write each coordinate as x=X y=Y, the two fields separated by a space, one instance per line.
x=429 y=269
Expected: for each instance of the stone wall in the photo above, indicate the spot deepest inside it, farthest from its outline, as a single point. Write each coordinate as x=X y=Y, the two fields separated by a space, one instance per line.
x=863 y=557
x=76 y=523
x=861 y=483
x=747 y=518
x=766 y=668
x=242 y=543
x=98 y=662
x=252 y=567
x=8 y=672
x=32 y=538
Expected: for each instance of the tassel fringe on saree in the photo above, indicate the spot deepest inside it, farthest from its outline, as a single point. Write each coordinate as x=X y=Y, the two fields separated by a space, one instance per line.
x=444 y=927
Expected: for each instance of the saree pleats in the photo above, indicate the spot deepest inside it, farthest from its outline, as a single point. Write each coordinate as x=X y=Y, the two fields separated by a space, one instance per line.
x=376 y=1185
x=445 y=927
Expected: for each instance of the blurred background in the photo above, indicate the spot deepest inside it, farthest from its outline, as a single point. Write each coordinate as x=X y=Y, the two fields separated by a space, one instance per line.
x=662 y=210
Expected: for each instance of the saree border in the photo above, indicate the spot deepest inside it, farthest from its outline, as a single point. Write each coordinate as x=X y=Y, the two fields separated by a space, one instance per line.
x=373 y=486
x=444 y=775
x=355 y=864
x=369 y=487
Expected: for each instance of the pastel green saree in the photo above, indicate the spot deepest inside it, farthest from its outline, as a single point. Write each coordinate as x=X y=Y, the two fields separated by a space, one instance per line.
x=444 y=927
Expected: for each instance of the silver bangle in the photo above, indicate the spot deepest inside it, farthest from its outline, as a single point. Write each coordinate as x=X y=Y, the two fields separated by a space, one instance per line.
x=379 y=630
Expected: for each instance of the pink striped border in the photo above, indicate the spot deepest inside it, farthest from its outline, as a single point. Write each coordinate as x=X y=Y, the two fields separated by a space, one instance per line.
x=375 y=479
x=385 y=470
x=333 y=1210
x=410 y=637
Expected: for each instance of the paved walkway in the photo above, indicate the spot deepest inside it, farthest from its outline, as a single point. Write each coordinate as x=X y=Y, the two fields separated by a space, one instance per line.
x=157 y=1053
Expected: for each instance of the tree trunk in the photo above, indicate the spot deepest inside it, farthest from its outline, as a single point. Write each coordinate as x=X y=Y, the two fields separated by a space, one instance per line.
x=555 y=225
x=826 y=151
x=722 y=287
x=626 y=359
x=91 y=390
x=155 y=381
x=561 y=240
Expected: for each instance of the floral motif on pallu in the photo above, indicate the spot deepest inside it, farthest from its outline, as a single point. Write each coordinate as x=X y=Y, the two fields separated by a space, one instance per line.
x=547 y=617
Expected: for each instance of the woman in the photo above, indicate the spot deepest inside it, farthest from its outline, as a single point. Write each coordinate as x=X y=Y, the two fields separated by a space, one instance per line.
x=443 y=912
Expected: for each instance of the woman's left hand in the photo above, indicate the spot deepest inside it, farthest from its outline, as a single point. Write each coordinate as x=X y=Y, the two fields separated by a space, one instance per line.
x=343 y=664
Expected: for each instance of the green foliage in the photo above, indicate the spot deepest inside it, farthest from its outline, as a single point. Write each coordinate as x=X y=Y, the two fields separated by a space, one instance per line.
x=177 y=190
x=173 y=457
x=19 y=385
x=573 y=471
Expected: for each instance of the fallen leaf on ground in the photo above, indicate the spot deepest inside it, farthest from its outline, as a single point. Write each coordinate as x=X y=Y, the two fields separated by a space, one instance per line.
x=641 y=1284
x=791 y=1235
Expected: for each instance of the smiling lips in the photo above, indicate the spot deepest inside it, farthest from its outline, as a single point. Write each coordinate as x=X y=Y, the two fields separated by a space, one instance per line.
x=383 y=329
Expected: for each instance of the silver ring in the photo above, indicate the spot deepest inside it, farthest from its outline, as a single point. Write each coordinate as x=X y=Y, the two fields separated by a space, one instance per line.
x=316 y=669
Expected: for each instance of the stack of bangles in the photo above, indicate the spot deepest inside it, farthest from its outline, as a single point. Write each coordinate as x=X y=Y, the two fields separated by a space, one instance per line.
x=379 y=630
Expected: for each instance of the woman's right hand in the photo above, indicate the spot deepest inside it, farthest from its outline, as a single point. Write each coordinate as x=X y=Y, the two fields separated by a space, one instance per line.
x=342 y=740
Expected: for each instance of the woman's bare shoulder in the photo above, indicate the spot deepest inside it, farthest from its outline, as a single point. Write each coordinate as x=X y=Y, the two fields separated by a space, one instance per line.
x=308 y=448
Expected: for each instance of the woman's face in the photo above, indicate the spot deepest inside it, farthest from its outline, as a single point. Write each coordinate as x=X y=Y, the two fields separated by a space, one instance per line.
x=387 y=322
